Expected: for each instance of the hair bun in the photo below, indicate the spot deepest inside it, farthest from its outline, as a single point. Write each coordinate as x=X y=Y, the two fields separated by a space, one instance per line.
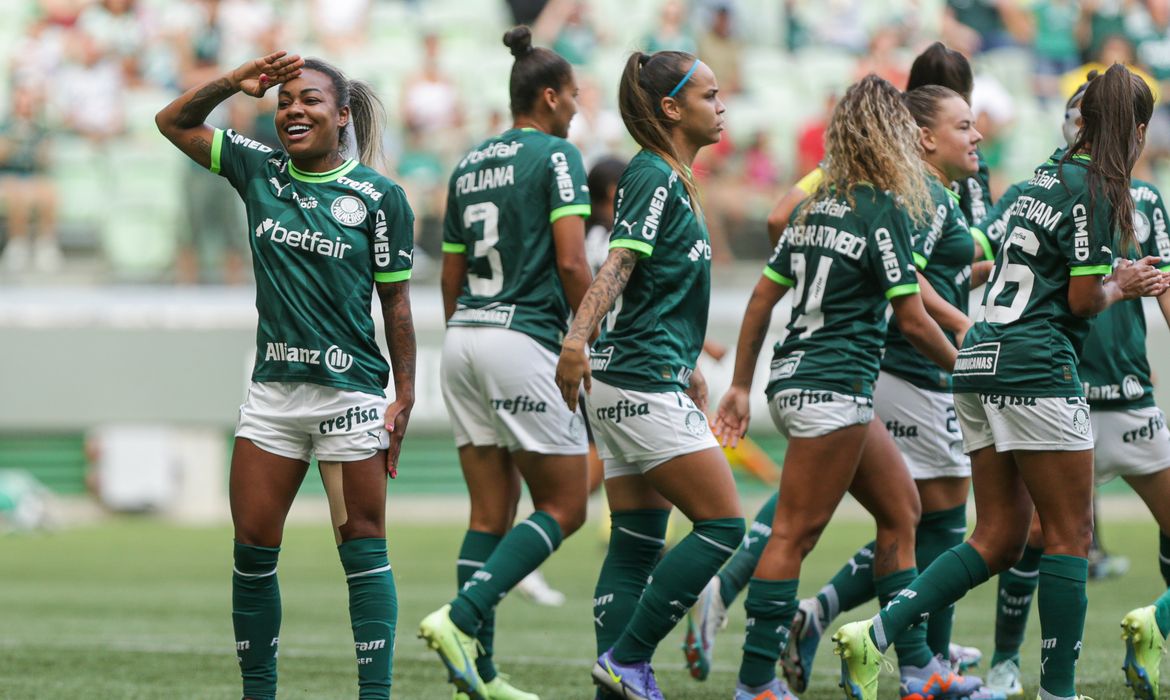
x=519 y=40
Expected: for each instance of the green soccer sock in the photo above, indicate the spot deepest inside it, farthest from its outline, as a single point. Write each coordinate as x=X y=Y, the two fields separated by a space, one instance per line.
x=956 y=571
x=1017 y=586
x=738 y=570
x=477 y=547
x=1062 y=605
x=910 y=644
x=675 y=586
x=1162 y=613
x=518 y=554
x=851 y=586
x=636 y=538
x=770 y=607
x=937 y=532
x=373 y=613
x=1164 y=556
x=256 y=617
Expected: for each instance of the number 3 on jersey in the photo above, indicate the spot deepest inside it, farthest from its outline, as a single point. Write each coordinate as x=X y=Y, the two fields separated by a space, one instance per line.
x=811 y=319
x=488 y=216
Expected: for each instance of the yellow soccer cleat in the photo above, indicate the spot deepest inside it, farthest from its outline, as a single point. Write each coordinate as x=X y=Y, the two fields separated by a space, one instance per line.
x=456 y=649
x=499 y=688
x=1143 y=652
x=861 y=662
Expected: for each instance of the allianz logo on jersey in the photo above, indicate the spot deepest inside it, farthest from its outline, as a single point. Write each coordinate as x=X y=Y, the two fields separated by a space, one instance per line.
x=336 y=359
x=981 y=359
x=1129 y=389
x=312 y=241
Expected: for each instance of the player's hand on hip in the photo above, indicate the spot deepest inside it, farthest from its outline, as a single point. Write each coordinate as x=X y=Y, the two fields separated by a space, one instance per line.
x=397 y=417
x=733 y=416
x=697 y=390
x=572 y=371
x=256 y=76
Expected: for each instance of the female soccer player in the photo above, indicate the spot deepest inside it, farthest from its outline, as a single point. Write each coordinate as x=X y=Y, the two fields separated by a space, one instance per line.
x=1019 y=398
x=514 y=267
x=646 y=399
x=848 y=256
x=325 y=231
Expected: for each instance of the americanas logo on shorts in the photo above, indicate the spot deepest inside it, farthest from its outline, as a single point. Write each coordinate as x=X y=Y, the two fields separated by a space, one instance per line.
x=338 y=360
x=349 y=210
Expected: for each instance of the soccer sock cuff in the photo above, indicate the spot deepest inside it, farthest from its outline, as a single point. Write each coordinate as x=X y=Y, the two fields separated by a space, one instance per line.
x=636 y=538
x=521 y=551
x=1062 y=605
x=256 y=617
x=851 y=586
x=476 y=548
x=738 y=570
x=770 y=607
x=937 y=532
x=910 y=643
x=1016 y=590
x=677 y=581
x=373 y=613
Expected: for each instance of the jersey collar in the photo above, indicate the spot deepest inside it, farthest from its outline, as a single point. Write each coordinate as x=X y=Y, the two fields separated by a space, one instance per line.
x=328 y=176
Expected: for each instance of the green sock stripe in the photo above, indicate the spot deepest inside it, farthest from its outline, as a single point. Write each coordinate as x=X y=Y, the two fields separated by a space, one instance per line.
x=1064 y=566
x=1063 y=604
x=1162 y=613
x=256 y=617
x=548 y=527
x=738 y=570
x=373 y=613
x=770 y=606
x=635 y=541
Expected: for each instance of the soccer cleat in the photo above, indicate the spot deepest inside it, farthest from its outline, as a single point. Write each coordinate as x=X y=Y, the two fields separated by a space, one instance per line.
x=963 y=658
x=861 y=662
x=627 y=681
x=936 y=681
x=499 y=688
x=456 y=649
x=776 y=690
x=797 y=658
x=1004 y=677
x=1143 y=652
x=535 y=588
x=706 y=617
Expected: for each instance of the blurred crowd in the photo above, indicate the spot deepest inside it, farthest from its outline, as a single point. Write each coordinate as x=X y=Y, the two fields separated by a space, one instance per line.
x=89 y=191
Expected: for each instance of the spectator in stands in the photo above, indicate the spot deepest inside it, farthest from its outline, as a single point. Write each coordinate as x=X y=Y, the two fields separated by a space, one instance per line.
x=119 y=30
x=884 y=58
x=1115 y=49
x=722 y=49
x=671 y=32
x=90 y=91
x=974 y=26
x=340 y=25
x=597 y=128
x=430 y=102
x=1152 y=33
x=1054 y=43
x=28 y=194
x=810 y=140
x=567 y=26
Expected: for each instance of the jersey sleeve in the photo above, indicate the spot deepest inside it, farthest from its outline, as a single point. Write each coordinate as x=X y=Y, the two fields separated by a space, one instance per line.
x=1084 y=246
x=642 y=204
x=235 y=156
x=393 y=237
x=568 y=195
x=891 y=253
x=453 y=232
x=779 y=266
x=1158 y=242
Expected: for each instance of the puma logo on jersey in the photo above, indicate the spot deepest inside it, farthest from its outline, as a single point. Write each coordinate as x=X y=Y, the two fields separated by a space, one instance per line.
x=686 y=201
x=701 y=249
x=277 y=186
x=408 y=255
x=628 y=225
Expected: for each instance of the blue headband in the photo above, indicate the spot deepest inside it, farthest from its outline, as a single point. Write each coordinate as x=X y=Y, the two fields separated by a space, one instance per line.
x=685 y=78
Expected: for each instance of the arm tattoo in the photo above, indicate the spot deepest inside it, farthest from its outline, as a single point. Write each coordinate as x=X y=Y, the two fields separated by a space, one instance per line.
x=195 y=110
x=201 y=146
x=611 y=280
x=395 y=298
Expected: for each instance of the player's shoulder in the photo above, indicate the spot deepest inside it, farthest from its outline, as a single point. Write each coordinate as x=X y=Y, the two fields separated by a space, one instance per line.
x=235 y=138
x=648 y=169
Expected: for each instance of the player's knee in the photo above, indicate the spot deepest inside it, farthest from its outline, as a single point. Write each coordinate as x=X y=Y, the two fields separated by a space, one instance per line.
x=358 y=527
x=258 y=535
x=570 y=517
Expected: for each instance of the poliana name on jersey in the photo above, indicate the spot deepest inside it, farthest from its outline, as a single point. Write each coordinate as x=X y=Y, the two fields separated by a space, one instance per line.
x=336 y=359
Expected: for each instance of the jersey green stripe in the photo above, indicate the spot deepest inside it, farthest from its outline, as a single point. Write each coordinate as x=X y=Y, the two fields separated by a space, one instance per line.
x=216 y=150
x=1164 y=268
x=902 y=290
x=778 y=278
x=570 y=210
x=953 y=194
x=981 y=238
x=330 y=176
x=400 y=276
x=640 y=246
x=920 y=260
x=454 y=247
x=1085 y=270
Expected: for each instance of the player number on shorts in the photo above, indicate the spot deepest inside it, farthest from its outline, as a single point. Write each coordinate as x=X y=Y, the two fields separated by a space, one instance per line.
x=488 y=215
x=1018 y=274
x=811 y=319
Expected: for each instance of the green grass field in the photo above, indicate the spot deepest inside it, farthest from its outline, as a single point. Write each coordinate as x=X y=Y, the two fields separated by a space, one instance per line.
x=140 y=609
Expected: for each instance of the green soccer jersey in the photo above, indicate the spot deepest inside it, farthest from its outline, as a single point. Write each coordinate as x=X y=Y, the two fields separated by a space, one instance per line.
x=975 y=192
x=652 y=337
x=844 y=262
x=943 y=253
x=1114 y=368
x=501 y=202
x=319 y=243
x=1029 y=342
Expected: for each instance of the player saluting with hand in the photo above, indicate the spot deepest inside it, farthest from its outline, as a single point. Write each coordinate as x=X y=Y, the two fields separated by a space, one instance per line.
x=325 y=232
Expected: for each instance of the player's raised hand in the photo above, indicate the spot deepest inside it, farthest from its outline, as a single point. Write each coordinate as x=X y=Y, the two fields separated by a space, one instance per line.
x=572 y=370
x=256 y=76
x=733 y=416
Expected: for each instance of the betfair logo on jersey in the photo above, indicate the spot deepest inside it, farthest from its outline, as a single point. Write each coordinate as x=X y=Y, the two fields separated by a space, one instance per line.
x=353 y=415
x=978 y=360
x=1043 y=179
x=785 y=367
x=622 y=409
x=564 y=180
x=241 y=140
x=898 y=430
x=519 y=404
x=1153 y=427
x=314 y=241
x=599 y=359
x=701 y=250
x=498 y=149
x=364 y=187
x=890 y=262
x=830 y=207
x=650 y=223
x=283 y=352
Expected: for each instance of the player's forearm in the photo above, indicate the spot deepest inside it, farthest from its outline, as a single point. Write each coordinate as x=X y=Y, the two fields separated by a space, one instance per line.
x=191 y=109
x=454 y=270
x=752 y=332
x=400 y=339
x=943 y=313
x=610 y=282
x=575 y=280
